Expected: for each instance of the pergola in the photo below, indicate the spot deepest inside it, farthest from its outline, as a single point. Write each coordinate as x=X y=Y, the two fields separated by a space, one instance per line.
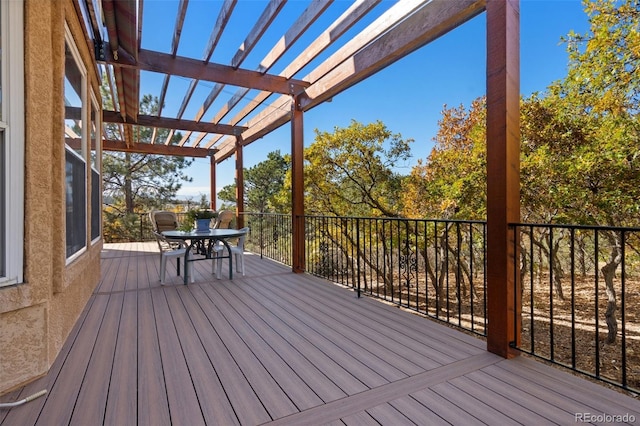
x=396 y=30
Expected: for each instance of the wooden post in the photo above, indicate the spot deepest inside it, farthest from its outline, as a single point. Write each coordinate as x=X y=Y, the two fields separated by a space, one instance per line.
x=503 y=175
x=212 y=183
x=297 y=187
x=239 y=184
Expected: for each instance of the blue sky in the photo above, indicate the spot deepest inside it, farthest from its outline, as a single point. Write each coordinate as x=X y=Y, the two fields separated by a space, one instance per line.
x=407 y=96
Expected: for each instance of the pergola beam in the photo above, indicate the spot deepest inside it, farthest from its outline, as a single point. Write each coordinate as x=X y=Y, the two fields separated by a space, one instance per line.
x=165 y=63
x=173 y=123
x=156 y=149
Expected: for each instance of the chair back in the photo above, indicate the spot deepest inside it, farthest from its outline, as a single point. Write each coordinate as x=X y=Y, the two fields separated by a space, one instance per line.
x=163 y=221
x=225 y=217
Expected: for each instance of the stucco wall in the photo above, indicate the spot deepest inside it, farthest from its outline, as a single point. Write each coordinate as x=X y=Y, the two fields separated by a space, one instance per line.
x=37 y=315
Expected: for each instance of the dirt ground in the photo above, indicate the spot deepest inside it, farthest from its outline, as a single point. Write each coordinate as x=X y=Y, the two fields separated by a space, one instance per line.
x=573 y=338
x=558 y=335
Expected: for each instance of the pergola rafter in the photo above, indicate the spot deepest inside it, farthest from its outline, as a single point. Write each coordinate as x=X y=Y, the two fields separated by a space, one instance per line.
x=361 y=57
x=177 y=32
x=333 y=32
x=266 y=18
x=214 y=38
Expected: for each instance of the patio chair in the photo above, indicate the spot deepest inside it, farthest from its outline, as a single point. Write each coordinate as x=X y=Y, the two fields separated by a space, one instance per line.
x=237 y=252
x=224 y=219
x=167 y=221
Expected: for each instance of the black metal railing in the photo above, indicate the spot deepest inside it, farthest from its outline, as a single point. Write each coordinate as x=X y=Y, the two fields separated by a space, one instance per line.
x=580 y=292
x=435 y=267
x=136 y=227
x=270 y=236
x=579 y=285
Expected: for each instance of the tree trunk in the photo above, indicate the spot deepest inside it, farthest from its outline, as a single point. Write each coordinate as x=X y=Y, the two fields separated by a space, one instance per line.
x=609 y=272
x=558 y=272
x=128 y=185
x=436 y=274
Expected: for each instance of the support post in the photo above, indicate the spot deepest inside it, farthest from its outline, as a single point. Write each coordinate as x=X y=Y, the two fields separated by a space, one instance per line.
x=503 y=175
x=212 y=183
x=297 y=187
x=239 y=183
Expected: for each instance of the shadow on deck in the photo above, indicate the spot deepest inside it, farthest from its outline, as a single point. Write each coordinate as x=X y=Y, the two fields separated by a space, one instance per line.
x=282 y=348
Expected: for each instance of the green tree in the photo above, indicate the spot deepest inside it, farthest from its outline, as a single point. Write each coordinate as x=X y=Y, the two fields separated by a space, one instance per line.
x=263 y=182
x=450 y=185
x=136 y=183
x=591 y=134
x=452 y=182
x=350 y=172
x=580 y=145
x=228 y=193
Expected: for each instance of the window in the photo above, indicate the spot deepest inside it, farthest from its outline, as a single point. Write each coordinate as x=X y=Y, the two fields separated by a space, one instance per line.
x=75 y=151
x=11 y=142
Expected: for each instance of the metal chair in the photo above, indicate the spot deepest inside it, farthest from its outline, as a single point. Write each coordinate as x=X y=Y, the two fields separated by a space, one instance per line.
x=237 y=252
x=167 y=221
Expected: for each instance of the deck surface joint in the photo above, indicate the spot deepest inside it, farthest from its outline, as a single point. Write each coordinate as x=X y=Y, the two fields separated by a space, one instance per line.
x=370 y=398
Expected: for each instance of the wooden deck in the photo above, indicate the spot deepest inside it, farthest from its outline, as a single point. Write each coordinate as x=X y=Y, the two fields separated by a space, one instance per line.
x=274 y=347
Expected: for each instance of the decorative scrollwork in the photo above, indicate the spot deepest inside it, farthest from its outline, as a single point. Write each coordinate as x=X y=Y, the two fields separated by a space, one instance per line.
x=325 y=258
x=408 y=264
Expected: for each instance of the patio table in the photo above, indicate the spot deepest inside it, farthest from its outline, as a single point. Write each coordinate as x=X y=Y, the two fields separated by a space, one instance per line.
x=204 y=241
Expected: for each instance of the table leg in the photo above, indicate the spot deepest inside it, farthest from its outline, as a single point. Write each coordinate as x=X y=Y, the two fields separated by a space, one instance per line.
x=186 y=263
x=226 y=244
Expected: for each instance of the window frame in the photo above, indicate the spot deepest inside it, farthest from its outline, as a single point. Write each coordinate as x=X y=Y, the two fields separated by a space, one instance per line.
x=84 y=152
x=95 y=166
x=13 y=128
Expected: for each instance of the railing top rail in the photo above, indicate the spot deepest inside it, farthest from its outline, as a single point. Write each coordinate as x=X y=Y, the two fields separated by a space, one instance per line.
x=265 y=214
x=511 y=225
x=397 y=219
x=567 y=226
x=385 y=218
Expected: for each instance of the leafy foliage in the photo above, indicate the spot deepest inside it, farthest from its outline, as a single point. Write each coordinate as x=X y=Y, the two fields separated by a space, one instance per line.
x=350 y=172
x=452 y=183
x=264 y=182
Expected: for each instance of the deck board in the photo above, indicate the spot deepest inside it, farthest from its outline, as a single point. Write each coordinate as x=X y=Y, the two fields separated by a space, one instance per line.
x=152 y=405
x=394 y=332
x=246 y=404
x=270 y=393
x=281 y=344
x=181 y=395
x=274 y=347
x=95 y=383
x=121 y=399
x=331 y=330
x=388 y=359
x=282 y=375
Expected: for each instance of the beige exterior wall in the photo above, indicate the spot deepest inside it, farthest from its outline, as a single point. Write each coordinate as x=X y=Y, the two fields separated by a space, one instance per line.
x=37 y=316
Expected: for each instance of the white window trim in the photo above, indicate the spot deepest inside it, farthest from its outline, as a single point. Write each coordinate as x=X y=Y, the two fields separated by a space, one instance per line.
x=12 y=16
x=69 y=41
